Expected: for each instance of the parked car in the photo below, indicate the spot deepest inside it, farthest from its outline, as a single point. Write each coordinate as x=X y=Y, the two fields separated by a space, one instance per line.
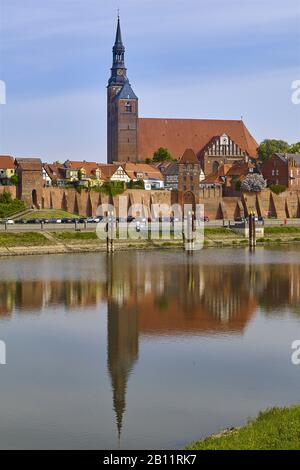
x=67 y=220
x=10 y=222
x=21 y=221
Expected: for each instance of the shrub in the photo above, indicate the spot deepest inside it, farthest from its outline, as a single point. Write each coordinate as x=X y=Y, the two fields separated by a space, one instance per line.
x=9 y=206
x=278 y=188
x=253 y=183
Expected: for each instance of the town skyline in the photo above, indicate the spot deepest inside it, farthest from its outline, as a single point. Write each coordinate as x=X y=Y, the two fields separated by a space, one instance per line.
x=41 y=118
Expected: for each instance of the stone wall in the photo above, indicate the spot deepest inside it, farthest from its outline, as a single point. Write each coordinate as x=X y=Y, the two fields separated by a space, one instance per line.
x=265 y=204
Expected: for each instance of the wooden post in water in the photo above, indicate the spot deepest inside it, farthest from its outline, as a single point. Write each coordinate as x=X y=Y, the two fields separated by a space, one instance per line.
x=110 y=233
x=252 y=230
x=188 y=240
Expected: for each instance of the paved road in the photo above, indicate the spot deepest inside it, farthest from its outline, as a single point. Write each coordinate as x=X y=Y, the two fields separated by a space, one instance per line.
x=47 y=227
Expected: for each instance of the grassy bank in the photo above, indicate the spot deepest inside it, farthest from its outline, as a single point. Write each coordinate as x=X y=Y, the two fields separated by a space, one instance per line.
x=214 y=237
x=275 y=429
x=49 y=214
x=23 y=239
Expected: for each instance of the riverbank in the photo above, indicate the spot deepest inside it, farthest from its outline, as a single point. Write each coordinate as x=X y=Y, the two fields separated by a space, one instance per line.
x=275 y=429
x=47 y=242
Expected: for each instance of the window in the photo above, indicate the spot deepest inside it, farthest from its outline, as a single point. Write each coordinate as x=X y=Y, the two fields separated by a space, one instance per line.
x=128 y=107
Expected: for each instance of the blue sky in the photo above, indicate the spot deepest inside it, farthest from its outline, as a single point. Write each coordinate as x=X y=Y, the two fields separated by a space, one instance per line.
x=185 y=58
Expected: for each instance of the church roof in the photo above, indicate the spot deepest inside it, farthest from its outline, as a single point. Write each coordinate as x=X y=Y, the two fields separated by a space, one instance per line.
x=126 y=93
x=118 y=42
x=179 y=134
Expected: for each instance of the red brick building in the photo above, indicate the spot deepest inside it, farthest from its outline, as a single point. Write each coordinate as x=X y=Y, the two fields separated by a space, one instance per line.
x=122 y=110
x=189 y=176
x=30 y=173
x=283 y=169
x=130 y=138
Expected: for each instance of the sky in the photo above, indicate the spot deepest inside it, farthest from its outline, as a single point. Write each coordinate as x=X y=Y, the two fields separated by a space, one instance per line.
x=213 y=59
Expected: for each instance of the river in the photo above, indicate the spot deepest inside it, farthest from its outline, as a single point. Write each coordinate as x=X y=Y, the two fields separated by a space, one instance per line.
x=145 y=350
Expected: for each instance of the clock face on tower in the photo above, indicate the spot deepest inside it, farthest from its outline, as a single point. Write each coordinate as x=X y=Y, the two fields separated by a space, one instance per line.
x=120 y=72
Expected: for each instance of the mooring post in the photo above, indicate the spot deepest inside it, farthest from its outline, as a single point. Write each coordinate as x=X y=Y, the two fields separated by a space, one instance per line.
x=110 y=233
x=188 y=240
x=252 y=230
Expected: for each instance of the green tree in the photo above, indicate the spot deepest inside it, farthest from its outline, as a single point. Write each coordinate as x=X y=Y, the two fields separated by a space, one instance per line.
x=295 y=148
x=278 y=188
x=6 y=197
x=270 y=146
x=14 y=180
x=162 y=155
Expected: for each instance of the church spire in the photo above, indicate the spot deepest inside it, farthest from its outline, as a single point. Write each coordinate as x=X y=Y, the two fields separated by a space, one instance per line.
x=118 y=71
x=118 y=41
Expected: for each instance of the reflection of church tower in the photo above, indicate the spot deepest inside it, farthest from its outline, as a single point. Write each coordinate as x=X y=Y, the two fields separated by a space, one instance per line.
x=122 y=346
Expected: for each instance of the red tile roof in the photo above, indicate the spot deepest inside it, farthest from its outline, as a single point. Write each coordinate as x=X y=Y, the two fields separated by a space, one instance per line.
x=189 y=156
x=6 y=162
x=148 y=171
x=179 y=134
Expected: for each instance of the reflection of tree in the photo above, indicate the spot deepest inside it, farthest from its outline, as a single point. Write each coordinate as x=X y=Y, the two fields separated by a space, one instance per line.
x=281 y=290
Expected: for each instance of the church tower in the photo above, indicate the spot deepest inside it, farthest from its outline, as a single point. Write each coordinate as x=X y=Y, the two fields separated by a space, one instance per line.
x=122 y=109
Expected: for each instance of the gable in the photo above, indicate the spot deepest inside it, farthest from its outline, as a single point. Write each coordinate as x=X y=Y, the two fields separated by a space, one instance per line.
x=223 y=145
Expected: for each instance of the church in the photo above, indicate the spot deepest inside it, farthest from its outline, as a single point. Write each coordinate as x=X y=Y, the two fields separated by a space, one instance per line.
x=134 y=139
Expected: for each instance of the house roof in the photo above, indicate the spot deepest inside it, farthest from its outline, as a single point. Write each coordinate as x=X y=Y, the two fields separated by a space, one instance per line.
x=54 y=170
x=289 y=156
x=107 y=170
x=179 y=134
x=189 y=156
x=239 y=169
x=148 y=171
x=29 y=164
x=7 y=162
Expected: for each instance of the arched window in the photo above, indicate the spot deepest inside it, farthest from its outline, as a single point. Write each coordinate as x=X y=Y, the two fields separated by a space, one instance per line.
x=215 y=166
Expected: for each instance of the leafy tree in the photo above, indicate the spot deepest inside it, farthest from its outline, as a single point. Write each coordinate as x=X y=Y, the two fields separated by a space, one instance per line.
x=162 y=155
x=14 y=180
x=278 y=188
x=253 y=183
x=295 y=148
x=6 y=197
x=136 y=184
x=270 y=146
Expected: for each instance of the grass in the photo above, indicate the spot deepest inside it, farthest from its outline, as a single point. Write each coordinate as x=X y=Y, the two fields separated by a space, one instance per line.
x=23 y=239
x=49 y=214
x=281 y=230
x=274 y=429
x=219 y=231
x=69 y=236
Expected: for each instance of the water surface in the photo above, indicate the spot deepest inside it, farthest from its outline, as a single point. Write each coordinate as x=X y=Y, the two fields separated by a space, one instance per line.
x=144 y=349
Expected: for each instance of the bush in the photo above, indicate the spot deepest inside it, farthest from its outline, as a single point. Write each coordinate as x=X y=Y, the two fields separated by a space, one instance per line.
x=6 y=197
x=278 y=188
x=9 y=206
x=253 y=183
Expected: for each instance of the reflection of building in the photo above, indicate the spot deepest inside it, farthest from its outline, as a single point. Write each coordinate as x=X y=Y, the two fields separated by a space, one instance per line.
x=122 y=353
x=150 y=295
